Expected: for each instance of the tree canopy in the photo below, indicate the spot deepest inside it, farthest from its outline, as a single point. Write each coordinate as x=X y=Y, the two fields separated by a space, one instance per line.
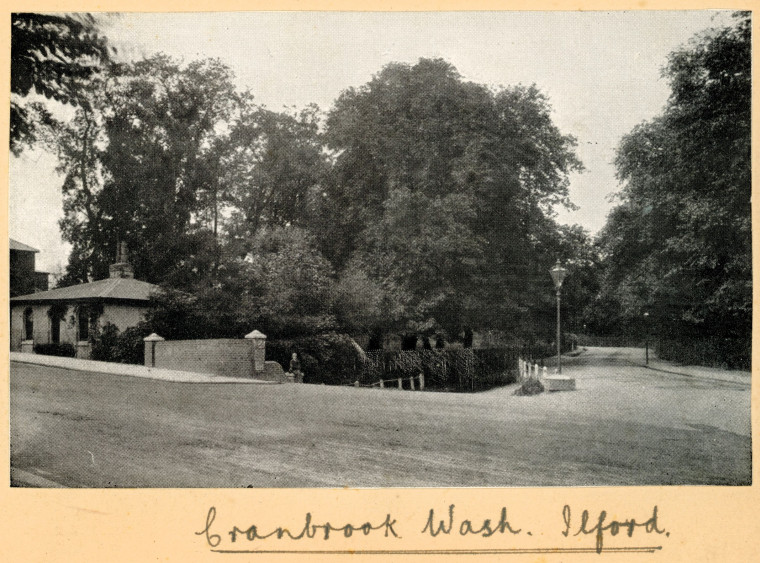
x=442 y=190
x=679 y=244
x=53 y=56
x=422 y=203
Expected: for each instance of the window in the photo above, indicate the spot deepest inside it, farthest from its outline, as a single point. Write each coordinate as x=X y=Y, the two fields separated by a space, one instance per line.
x=84 y=322
x=55 y=330
x=28 y=324
x=56 y=313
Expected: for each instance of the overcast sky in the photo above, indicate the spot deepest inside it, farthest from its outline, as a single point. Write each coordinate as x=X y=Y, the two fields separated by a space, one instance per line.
x=600 y=71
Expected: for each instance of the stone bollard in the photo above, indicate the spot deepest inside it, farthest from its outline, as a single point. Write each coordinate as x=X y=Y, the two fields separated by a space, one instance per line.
x=150 y=349
x=535 y=371
x=83 y=350
x=400 y=384
x=422 y=381
x=382 y=384
x=411 y=382
x=258 y=343
x=356 y=383
x=544 y=373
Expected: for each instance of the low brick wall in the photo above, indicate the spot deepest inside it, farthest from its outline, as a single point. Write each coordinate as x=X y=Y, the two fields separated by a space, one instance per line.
x=226 y=357
x=223 y=356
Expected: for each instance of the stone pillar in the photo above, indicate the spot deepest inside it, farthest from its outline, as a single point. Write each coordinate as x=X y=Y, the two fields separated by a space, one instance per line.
x=259 y=345
x=150 y=349
x=83 y=350
x=27 y=346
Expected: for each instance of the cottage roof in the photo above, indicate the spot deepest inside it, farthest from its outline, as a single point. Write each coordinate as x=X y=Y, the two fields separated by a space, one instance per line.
x=16 y=245
x=110 y=289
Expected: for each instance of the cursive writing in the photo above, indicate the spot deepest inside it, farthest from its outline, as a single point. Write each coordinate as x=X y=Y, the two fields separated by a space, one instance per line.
x=465 y=526
x=309 y=530
x=613 y=526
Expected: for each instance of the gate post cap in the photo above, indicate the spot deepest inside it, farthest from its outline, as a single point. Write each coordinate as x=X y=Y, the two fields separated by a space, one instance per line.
x=256 y=335
x=153 y=338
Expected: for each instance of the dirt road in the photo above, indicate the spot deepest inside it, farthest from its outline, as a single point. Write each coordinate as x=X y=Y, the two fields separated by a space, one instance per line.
x=624 y=425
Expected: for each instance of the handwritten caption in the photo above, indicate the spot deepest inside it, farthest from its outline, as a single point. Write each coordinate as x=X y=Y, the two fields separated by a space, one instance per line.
x=445 y=524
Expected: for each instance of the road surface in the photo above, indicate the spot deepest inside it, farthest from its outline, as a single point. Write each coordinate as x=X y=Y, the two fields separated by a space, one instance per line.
x=624 y=425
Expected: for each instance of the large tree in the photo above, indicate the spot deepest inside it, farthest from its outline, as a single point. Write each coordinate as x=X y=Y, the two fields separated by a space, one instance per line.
x=444 y=190
x=272 y=162
x=52 y=56
x=679 y=244
x=140 y=162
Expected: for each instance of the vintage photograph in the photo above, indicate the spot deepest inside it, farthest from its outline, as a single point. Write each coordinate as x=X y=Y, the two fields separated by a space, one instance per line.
x=370 y=250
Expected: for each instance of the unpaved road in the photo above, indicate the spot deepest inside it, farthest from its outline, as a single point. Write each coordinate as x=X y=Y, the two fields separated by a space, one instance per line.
x=624 y=425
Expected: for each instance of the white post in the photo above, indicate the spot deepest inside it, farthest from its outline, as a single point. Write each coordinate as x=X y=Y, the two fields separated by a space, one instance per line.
x=150 y=349
x=411 y=381
x=400 y=385
x=422 y=381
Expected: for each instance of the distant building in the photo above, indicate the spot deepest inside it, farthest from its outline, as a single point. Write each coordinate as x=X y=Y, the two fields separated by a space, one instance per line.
x=70 y=314
x=23 y=276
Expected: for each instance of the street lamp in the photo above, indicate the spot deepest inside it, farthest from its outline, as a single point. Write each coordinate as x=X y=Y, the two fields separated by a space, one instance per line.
x=646 y=337
x=558 y=275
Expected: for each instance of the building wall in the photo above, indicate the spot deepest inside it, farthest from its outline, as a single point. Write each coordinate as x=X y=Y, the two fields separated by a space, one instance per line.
x=17 y=328
x=226 y=357
x=42 y=325
x=21 y=272
x=123 y=316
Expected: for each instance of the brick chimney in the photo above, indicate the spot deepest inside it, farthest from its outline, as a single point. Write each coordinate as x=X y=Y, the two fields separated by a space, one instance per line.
x=122 y=268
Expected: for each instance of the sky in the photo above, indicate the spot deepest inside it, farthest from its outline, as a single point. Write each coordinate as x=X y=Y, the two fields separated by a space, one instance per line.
x=601 y=72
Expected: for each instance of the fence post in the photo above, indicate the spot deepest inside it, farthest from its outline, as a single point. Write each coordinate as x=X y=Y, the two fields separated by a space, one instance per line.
x=544 y=374
x=356 y=383
x=382 y=386
x=422 y=381
x=411 y=382
x=400 y=385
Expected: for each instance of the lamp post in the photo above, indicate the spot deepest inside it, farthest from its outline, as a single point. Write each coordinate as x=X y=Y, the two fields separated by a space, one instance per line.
x=558 y=275
x=646 y=337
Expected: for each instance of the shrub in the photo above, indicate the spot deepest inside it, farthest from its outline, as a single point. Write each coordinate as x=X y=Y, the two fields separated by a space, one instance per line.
x=130 y=347
x=727 y=353
x=329 y=358
x=109 y=345
x=530 y=387
x=102 y=343
x=63 y=349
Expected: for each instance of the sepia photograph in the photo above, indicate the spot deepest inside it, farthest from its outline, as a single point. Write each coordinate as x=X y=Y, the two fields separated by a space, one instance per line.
x=380 y=249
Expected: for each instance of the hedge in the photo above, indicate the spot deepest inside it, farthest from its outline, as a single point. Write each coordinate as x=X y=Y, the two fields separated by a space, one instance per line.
x=63 y=349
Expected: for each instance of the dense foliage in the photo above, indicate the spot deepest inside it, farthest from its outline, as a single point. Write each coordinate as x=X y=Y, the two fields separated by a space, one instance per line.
x=63 y=349
x=51 y=56
x=422 y=204
x=108 y=344
x=678 y=247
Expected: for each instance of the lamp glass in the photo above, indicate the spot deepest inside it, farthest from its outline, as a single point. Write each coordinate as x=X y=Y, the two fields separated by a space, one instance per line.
x=558 y=274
